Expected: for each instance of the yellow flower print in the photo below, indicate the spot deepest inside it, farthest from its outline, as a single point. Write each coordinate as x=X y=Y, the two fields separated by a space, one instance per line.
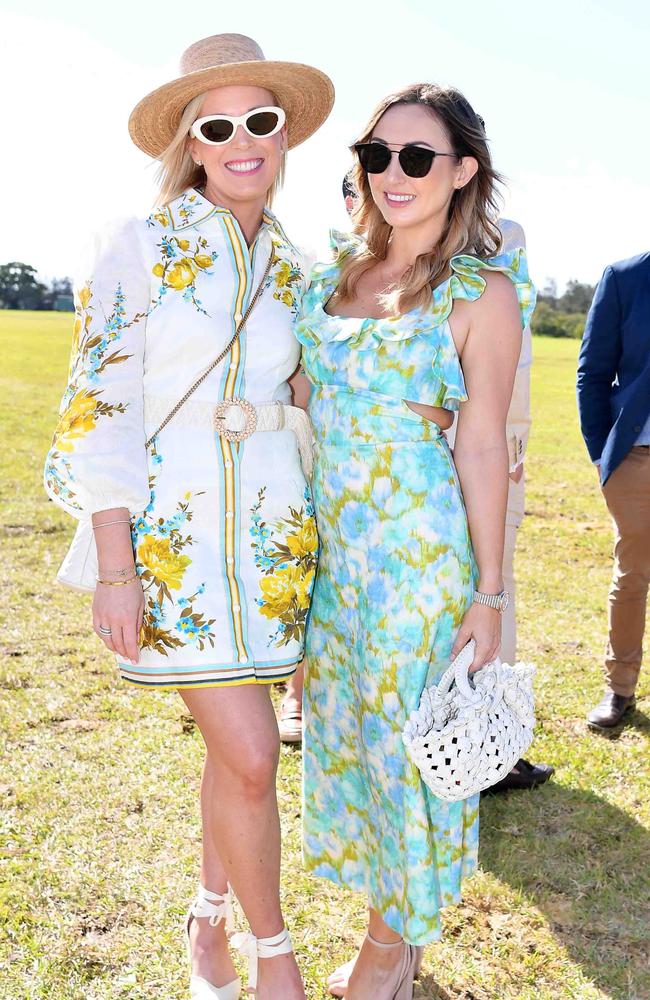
x=283 y=274
x=181 y=274
x=78 y=419
x=286 y=550
x=203 y=260
x=180 y=271
x=85 y=296
x=287 y=276
x=304 y=542
x=279 y=590
x=156 y=555
x=304 y=588
x=76 y=340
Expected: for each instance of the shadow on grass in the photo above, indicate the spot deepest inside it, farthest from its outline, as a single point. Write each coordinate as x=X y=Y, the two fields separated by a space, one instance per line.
x=584 y=864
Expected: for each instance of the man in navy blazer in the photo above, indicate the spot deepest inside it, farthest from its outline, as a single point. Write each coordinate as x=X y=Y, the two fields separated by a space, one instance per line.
x=614 y=404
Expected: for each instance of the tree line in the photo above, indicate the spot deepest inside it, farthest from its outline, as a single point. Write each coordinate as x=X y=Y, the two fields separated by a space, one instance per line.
x=555 y=316
x=20 y=288
x=562 y=315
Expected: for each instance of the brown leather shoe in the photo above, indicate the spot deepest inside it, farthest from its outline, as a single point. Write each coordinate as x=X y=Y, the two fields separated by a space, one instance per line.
x=611 y=711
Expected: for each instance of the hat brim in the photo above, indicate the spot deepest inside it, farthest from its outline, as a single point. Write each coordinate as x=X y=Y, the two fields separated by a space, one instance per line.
x=306 y=95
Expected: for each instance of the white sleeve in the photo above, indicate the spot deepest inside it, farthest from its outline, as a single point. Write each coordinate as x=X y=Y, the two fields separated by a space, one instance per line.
x=518 y=420
x=98 y=458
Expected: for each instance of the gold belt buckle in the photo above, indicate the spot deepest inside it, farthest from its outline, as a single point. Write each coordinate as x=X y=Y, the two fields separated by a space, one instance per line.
x=220 y=415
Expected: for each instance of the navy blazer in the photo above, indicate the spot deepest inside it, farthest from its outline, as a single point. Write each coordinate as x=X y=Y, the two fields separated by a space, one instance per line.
x=614 y=364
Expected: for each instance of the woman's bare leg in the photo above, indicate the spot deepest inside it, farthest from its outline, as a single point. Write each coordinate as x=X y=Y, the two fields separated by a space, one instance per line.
x=240 y=816
x=210 y=953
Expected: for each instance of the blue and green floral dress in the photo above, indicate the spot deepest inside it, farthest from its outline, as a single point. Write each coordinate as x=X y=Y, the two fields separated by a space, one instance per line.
x=395 y=578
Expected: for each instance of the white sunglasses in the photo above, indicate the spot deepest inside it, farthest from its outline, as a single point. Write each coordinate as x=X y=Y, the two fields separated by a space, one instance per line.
x=216 y=130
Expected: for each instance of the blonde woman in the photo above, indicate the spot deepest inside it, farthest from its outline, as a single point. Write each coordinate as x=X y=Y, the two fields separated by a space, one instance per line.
x=205 y=536
x=417 y=317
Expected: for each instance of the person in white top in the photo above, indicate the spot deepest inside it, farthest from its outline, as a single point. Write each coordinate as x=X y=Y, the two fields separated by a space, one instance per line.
x=175 y=445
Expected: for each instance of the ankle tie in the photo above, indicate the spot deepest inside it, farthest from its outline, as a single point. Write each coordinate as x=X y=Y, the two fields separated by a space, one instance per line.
x=215 y=906
x=255 y=948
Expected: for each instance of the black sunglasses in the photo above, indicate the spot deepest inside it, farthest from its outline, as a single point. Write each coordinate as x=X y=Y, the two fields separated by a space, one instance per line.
x=415 y=161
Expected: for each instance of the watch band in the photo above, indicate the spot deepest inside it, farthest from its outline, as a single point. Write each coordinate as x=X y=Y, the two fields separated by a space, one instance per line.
x=497 y=601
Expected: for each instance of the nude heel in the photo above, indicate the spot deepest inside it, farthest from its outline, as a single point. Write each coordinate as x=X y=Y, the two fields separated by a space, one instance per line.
x=404 y=989
x=341 y=976
x=410 y=966
x=215 y=907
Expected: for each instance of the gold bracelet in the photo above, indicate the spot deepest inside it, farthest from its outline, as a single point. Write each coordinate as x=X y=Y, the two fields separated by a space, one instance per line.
x=118 y=583
x=105 y=524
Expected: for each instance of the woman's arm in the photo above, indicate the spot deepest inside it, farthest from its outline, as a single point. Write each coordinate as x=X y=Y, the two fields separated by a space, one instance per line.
x=97 y=465
x=300 y=389
x=489 y=360
x=117 y=604
x=97 y=460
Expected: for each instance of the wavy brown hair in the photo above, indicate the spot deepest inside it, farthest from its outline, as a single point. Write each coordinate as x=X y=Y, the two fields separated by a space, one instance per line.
x=473 y=211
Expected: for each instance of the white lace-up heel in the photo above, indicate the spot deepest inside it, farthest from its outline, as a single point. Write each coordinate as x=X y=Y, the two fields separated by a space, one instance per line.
x=255 y=948
x=216 y=908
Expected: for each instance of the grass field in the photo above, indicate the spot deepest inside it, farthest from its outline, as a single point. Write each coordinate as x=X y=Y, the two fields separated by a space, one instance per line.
x=99 y=782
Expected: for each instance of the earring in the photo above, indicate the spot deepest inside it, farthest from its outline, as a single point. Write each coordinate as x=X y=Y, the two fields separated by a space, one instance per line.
x=199 y=163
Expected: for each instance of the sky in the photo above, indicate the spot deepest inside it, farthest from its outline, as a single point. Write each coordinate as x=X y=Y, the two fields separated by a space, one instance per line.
x=563 y=86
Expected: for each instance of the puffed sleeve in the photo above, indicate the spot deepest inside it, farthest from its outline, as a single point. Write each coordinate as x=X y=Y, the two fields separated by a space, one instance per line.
x=97 y=459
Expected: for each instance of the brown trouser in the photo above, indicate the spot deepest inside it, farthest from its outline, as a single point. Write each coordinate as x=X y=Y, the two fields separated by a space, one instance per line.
x=627 y=495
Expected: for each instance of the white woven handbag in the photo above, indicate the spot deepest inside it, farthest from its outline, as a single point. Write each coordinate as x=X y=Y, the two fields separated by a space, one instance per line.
x=469 y=732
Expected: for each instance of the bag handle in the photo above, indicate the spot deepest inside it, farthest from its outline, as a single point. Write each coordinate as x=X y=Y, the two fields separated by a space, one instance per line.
x=457 y=673
x=235 y=337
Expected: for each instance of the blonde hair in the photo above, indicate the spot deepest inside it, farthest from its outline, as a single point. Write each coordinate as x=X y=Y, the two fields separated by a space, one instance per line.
x=178 y=171
x=471 y=223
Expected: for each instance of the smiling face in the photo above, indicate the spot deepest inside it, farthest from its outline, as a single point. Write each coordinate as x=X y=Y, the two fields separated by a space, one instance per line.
x=416 y=201
x=243 y=170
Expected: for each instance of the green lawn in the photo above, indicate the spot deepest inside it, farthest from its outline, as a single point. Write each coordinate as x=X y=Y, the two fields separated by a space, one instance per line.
x=99 y=782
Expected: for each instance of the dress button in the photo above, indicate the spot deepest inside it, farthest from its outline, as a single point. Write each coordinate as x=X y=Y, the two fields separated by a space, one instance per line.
x=233 y=366
x=228 y=464
x=243 y=659
x=229 y=560
x=229 y=514
x=637 y=429
x=237 y=607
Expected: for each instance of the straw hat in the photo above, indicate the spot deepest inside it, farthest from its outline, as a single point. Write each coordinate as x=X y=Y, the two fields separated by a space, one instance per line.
x=306 y=94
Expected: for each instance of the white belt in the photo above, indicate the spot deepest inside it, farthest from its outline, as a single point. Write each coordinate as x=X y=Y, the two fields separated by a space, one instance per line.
x=236 y=419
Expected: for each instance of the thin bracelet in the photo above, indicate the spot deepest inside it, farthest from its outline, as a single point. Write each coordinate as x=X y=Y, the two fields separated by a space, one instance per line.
x=118 y=583
x=125 y=571
x=105 y=524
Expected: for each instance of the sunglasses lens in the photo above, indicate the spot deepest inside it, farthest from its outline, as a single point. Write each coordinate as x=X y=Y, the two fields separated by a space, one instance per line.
x=416 y=161
x=262 y=122
x=217 y=130
x=373 y=157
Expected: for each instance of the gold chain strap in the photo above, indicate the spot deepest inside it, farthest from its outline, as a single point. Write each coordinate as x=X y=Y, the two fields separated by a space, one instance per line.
x=226 y=350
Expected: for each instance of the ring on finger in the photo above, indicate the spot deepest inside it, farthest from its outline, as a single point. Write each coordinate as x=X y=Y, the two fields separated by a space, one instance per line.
x=104 y=630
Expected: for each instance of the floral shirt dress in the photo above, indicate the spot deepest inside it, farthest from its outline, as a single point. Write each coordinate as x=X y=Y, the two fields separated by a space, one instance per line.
x=223 y=532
